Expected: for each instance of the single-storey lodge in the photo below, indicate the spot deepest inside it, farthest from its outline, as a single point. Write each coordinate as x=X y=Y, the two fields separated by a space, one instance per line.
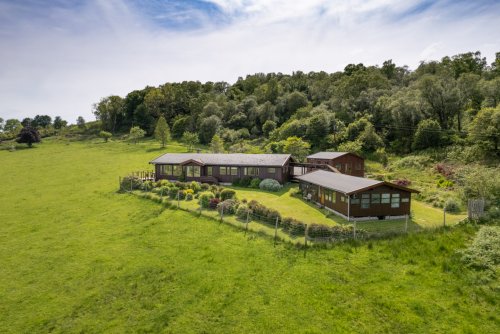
x=221 y=167
x=356 y=197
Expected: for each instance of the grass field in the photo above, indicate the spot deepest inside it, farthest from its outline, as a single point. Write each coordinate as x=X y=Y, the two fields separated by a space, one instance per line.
x=77 y=257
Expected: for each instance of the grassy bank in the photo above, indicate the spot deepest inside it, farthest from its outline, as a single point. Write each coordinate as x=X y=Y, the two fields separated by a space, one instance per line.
x=75 y=256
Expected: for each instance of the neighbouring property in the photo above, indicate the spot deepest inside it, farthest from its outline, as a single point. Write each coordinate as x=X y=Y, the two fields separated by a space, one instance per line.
x=356 y=198
x=221 y=167
x=344 y=162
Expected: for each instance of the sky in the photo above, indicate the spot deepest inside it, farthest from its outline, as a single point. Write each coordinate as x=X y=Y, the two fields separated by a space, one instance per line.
x=59 y=57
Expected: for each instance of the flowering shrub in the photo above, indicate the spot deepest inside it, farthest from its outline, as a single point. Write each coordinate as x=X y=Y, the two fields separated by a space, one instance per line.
x=227 y=194
x=243 y=211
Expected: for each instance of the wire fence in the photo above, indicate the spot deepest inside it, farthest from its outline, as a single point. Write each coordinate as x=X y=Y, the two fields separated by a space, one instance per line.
x=285 y=228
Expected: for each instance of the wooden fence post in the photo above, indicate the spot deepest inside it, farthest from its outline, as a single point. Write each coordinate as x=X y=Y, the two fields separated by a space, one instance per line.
x=444 y=216
x=178 y=198
x=246 y=223
x=221 y=213
x=305 y=240
x=406 y=224
x=276 y=231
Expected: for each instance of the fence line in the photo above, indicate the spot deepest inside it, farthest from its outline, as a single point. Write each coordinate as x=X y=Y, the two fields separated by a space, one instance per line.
x=277 y=229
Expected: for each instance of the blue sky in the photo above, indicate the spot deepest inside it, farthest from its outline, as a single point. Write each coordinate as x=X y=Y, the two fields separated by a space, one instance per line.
x=59 y=57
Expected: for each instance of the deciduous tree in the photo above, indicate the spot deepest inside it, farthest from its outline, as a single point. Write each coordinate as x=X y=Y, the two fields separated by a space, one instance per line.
x=28 y=135
x=190 y=139
x=162 y=131
x=136 y=133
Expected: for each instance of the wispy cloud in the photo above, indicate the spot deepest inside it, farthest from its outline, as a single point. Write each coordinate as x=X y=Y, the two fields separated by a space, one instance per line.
x=60 y=58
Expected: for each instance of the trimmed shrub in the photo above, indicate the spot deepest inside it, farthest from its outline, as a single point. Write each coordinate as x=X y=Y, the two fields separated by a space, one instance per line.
x=147 y=185
x=204 y=198
x=204 y=186
x=293 y=226
x=195 y=186
x=162 y=183
x=452 y=206
x=270 y=185
x=131 y=183
x=213 y=203
x=181 y=185
x=255 y=183
x=189 y=191
x=263 y=213
x=236 y=182
x=189 y=197
x=172 y=192
x=229 y=206
x=242 y=211
x=182 y=194
x=227 y=194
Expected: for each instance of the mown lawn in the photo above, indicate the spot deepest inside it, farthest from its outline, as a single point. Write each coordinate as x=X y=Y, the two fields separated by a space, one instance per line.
x=76 y=257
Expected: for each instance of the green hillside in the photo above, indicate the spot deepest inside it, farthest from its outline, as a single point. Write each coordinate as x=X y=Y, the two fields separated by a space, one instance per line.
x=75 y=256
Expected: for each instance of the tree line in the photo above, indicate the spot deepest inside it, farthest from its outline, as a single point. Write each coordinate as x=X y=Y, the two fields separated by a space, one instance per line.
x=453 y=101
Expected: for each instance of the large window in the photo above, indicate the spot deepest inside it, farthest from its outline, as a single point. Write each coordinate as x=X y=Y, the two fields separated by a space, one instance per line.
x=271 y=170
x=252 y=171
x=170 y=170
x=386 y=198
x=338 y=166
x=209 y=170
x=193 y=171
x=395 y=201
x=405 y=200
x=234 y=170
x=365 y=201
x=328 y=195
x=224 y=170
x=375 y=198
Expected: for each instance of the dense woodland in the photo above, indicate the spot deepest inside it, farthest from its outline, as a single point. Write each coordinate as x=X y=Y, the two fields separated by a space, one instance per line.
x=454 y=102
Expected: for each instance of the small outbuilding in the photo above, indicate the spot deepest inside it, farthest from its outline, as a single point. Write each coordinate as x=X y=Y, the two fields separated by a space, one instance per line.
x=355 y=197
x=345 y=162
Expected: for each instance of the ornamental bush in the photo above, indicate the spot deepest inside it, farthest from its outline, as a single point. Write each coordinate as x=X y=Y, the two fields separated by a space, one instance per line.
x=243 y=211
x=189 y=197
x=213 y=203
x=147 y=185
x=182 y=194
x=172 y=192
x=270 y=185
x=229 y=206
x=227 y=194
x=262 y=212
x=162 y=183
x=204 y=198
x=293 y=226
x=195 y=186
x=204 y=186
x=255 y=183
x=131 y=183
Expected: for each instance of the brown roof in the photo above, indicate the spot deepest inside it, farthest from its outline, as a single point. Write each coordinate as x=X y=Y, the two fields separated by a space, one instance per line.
x=330 y=155
x=346 y=184
x=229 y=159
